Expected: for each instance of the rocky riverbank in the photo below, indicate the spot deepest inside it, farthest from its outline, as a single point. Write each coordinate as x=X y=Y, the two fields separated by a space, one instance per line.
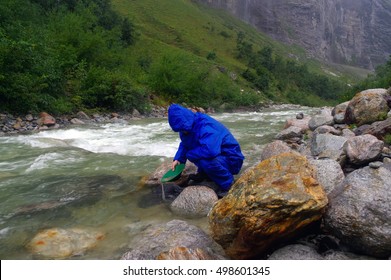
x=11 y=124
x=322 y=191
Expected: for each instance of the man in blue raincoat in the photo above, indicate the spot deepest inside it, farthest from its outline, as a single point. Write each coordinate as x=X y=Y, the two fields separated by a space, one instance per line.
x=208 y=144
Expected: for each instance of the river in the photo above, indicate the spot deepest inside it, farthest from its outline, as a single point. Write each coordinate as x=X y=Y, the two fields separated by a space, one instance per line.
x=89 y=177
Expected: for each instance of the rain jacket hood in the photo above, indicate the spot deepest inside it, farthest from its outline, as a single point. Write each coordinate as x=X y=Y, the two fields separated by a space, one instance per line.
x=180 y=118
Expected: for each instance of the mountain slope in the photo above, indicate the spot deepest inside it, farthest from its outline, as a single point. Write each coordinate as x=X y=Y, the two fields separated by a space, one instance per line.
x=189 y=27
x=355 y=32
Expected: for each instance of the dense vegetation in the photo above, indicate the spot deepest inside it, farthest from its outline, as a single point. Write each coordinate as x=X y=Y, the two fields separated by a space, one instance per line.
x=380 y=79
x=62 y=56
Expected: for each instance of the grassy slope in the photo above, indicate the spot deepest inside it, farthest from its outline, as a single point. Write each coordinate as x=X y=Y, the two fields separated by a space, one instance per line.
x=185 y=27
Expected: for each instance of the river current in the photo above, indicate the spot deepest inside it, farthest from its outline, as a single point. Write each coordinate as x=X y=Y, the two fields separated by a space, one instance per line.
x=89 y=177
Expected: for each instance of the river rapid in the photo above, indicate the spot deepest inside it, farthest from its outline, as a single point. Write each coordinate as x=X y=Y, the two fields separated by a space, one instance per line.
x=89 y=177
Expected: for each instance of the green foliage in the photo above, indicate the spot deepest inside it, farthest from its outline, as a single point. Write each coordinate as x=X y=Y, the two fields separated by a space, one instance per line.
x=270 y=72
x=380 y=79
x=50 y=52
x=69 y=55
x=387 y=139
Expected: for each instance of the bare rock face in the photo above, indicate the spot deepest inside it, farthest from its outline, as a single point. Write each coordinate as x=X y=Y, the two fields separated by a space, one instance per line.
x=341 y=31
x=270 y=203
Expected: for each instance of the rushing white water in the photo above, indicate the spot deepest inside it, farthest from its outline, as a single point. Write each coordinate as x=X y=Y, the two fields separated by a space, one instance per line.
x=89 y=177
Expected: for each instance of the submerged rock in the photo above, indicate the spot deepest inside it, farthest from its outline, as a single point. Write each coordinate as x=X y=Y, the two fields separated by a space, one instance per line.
x=58 y=243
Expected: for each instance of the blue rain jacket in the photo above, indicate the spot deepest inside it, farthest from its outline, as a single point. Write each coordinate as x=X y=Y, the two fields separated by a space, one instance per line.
x=207 y=143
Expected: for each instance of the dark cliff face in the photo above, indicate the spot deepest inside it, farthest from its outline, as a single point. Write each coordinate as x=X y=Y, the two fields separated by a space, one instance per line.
x=356 y=32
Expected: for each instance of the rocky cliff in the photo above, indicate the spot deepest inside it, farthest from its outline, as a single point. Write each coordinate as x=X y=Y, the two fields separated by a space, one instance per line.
x=356 y=32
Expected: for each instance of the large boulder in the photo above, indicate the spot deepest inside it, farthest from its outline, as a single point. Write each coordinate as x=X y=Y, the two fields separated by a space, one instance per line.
x=363 y=149
x=160 y=239
x=269 y=203
x=359 y=213
x=367 y=107
x=329 y=146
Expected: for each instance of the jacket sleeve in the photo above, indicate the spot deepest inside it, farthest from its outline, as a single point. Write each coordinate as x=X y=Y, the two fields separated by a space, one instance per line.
x=181 y=154
x=209 y=145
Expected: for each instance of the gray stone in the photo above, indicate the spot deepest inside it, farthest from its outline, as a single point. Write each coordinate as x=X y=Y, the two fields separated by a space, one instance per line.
x=363 y=149
x=290 y=132
x=295 y=252
x=329 y=146
x=359 y=212
x=328 y=173
x=194 y=201
x=274 y=148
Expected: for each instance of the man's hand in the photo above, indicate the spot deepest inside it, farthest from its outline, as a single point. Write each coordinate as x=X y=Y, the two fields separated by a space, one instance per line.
x=174 y=163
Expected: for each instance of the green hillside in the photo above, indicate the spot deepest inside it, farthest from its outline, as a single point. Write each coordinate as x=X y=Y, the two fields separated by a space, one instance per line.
x=70 y=55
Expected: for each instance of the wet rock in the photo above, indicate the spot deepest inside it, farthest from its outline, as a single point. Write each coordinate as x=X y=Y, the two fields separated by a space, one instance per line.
x=160 y=238
x=194 y=201
x=58 y=243
x=165 y=193
x=359 y=213
x=269 y=203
